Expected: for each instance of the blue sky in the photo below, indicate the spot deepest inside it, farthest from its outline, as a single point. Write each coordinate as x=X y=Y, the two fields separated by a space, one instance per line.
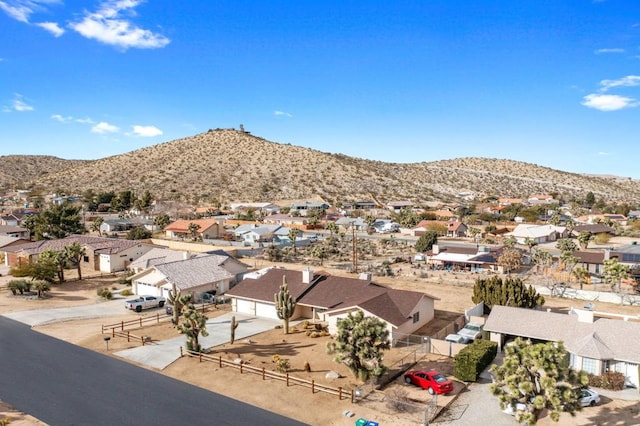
x=550 y=82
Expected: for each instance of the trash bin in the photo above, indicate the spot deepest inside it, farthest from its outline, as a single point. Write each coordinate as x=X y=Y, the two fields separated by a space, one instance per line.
x=362 y=422
x=372 y=423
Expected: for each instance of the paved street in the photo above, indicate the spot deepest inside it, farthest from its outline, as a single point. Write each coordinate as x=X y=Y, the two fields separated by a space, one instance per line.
x=63 y=384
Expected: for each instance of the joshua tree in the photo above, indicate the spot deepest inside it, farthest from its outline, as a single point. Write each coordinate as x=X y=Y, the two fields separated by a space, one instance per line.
x=193 y=230
x=57 y=258
x=75 y=252
x=293 y=235
x=178 y=303
x=95 y=225
x=195 y=324
x=285 y=305
x=332 y=228
x=234 y=325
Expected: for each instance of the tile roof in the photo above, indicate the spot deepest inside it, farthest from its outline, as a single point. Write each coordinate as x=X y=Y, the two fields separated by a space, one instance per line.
x=97 y=244
x=334 y=293
x=196 y=271
x=182 y=225
x=604 y=337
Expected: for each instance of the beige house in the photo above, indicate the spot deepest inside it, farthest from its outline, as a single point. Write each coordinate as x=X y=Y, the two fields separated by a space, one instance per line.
x=327 y=299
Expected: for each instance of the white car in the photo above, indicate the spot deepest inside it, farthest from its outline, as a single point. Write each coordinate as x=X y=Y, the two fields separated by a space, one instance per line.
x=589 y=398
x=471 y=331
x=510 y=411
x=456 y=338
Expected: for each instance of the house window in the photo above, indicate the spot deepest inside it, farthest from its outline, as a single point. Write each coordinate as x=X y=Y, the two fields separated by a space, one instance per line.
x=589 y=365
x=416 y=317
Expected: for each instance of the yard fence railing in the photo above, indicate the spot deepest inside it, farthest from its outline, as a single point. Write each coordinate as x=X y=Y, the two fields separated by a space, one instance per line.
x=266 y=374
x=135 y=323
x=129 y=336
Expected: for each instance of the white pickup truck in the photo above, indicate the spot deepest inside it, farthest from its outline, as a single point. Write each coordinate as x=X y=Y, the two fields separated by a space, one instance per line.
x=145 y=302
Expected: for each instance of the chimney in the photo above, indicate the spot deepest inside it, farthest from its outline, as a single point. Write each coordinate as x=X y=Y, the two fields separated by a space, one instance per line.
x=435 y=249
x=307 y=276
x=365 y=276
x=185 y=255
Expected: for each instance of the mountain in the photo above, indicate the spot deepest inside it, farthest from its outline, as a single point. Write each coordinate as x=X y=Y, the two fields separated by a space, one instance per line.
x=231 y=165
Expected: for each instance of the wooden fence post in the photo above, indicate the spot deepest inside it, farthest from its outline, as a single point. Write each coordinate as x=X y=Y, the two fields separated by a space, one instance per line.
x=220 y=361
x=113 y=332
x=262 y=373
x=352 y=397
x=140 y=321
x=313 y=386
x=340 y=393
x=122 y=325
x=287 y=379
x=200 y=357
x=128 y=336
x=181 y=355
x=241 y=368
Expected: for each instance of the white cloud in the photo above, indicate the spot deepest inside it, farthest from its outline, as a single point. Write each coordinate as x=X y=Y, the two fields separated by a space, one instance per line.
x=84 y=120
x=603 y=153
x=52 y=27
x=104 y=127
x=147 y=131
x=611 y=50
x=61 y=118
x=107 y=26
x=18 y=104
x=282 y=114
x=21 y=10
x=608 y=102
x=628 y=81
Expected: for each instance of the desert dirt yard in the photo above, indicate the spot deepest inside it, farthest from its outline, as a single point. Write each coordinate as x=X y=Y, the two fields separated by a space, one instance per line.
x=454 y=296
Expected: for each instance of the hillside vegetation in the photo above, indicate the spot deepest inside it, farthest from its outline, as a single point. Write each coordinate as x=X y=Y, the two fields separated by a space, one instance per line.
x=230 y=165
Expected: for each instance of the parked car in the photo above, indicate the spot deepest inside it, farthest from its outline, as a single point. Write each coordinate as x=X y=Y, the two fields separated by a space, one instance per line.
x=589 y=397
x=432 y=381
x=456 y=338
x=519 y=407
x=471 y=331
x=145 y=302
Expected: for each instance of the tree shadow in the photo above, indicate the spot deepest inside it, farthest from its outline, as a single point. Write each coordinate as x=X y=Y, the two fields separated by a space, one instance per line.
x=261 y=350
x=607 y=416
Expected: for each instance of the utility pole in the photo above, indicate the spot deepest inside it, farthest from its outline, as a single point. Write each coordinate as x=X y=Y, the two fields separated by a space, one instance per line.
x=355 y=248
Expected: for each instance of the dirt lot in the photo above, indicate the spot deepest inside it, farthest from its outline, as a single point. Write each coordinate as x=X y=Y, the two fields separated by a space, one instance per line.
x=452 y=290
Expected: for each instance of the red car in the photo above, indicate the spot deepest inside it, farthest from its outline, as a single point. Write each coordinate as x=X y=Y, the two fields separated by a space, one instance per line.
x=431 y=380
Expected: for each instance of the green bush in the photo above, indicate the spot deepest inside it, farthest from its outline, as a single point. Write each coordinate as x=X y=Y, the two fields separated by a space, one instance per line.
x=126 y=292
x=105 y=293
x=611 y=380
x=473 y=359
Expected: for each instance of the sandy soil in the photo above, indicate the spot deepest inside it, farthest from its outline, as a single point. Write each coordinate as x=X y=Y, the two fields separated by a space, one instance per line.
x=454 y=294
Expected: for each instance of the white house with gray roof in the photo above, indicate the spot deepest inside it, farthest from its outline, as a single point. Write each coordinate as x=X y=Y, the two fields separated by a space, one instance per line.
x=594 y=344
x=194 y=275
x=538 y=233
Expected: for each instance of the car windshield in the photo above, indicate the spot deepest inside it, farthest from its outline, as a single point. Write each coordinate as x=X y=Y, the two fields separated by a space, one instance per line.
x=472 y=327
x=439 y=378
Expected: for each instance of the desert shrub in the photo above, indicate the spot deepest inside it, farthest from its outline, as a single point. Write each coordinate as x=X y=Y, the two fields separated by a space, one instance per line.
x=308 y=333
x=126 y=292
x=314 y=334
x=398 y=400
x=307 y=367
x=611 y=380
x=105 y=293
x=305 y=324
x=282 y=364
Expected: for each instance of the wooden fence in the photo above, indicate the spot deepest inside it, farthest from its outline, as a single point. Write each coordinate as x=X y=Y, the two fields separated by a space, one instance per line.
x=135 y=323
x=265 y=374
x=129 y=336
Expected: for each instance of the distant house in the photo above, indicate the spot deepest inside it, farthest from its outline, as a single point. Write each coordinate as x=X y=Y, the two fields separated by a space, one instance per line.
x=10 y=219
x=327 y=298
x=254 y=233
x=538 y=233
x=14 y=231
x=264 y=208
x=633 y=214
x=464 y=257
x=396 y=206
x=286 y=219
x=595 y=229
x=303 y=208
x=357 y=223
x=456 y=229
x=595 y=345
x=194 y=275
x=537 y=199
x=101 y=254
x=208 y=229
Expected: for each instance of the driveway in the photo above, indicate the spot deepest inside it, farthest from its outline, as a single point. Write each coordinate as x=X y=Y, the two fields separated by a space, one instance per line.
x=35 y=317
x=160 y=355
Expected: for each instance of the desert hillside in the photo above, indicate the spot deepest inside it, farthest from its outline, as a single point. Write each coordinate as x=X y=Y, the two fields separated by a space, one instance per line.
x=230 y=165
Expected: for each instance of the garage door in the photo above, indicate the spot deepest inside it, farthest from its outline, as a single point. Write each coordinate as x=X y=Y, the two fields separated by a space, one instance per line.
x=632 y=376
x=147 y=289
x=266 y=310
x=245 y=306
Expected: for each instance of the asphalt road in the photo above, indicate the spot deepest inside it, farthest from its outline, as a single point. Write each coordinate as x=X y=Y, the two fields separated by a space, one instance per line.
x=63 y=384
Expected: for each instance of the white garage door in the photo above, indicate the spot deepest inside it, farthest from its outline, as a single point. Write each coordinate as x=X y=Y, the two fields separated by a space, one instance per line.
x=632 y=375
x=266 y=310
x=147 y=289
x=245 y=306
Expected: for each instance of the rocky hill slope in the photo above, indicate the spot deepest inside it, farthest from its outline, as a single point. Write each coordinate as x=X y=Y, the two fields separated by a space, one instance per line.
x=230 y=165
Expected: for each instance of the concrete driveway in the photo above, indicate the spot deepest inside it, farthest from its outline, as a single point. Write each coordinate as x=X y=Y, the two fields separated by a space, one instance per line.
x=160 y=355
x=35 y=317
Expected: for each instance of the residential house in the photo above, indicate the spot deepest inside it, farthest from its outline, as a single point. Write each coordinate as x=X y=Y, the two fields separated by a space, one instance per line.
x=303 y=208
x=396 y=206
x=595 y=345
x=507 y=201
x=157 y=256
x=286 y=219
x=633 y=214
x=15 y=231
x=10 y=219
x=594 y=229
x=356 y=223
x=327 y=299
x=265 y=209
x=456 y=229
x=193 y=275
x=537 y=199
x=208 y=229
x=539 y=234
x=101 y=254
x=464 y=257
x=10 y=242
x=254 y=233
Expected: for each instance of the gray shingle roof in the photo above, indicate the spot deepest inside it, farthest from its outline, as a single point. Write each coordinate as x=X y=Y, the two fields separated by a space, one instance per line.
x=195 y=272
